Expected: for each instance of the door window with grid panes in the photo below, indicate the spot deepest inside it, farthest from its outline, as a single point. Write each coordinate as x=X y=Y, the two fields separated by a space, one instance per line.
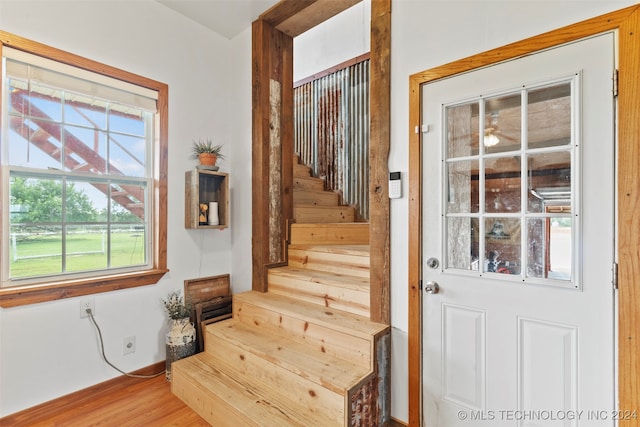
x=510 y=197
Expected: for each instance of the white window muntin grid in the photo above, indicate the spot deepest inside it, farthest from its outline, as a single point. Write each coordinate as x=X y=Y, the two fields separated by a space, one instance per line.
x=573 y=148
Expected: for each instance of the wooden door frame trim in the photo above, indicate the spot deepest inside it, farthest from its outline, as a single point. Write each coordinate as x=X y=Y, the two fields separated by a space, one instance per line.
x=627 y=23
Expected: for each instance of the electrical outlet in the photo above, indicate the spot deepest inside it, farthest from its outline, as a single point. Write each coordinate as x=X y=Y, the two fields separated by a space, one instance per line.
x=87 y=303
x=129 y=345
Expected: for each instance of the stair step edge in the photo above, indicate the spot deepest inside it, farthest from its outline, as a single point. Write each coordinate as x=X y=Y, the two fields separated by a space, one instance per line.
x=320 y=277
x=342 y=375
x=320 y=207
x=311 y=178
x=331 y=224
x=361 y=227
x=338 y=320
x=275 y=363
x=345 y=264
x=312 y=191
x=356 y=250
x=321 y=297
x=249 y=399
x=345 y=338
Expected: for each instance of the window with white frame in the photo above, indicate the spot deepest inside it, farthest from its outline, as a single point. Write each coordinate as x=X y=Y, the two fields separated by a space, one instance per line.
x=80 y=156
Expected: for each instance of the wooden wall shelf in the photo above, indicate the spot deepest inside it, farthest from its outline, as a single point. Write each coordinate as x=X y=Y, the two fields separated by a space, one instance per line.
x=204 y=186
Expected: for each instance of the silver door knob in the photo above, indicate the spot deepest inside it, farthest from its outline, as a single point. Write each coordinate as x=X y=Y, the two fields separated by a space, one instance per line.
x=431 y=288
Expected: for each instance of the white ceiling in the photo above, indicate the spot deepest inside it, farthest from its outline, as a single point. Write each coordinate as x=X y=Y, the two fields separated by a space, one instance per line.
x=226 y=17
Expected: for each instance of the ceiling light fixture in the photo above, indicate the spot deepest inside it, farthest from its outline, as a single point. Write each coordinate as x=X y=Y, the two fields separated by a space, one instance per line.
x=490 y=139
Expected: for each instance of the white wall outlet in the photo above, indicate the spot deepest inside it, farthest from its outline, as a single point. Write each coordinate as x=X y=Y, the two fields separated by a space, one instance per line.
x=87 y=303
x=129 y=345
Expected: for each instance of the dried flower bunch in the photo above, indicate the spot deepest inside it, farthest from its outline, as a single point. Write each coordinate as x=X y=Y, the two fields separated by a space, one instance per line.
x=175 y=305
x=200 y=147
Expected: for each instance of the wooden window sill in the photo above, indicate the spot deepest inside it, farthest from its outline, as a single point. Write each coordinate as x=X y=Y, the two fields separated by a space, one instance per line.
x=33 y=294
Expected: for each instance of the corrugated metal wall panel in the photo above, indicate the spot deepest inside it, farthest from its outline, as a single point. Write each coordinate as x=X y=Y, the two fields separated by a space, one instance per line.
x=331 y=132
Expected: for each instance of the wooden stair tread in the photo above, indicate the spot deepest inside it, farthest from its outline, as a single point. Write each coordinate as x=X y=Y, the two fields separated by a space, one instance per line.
x=327 y=289
x=335 y=374
x=309 y=182
x=338 y=233
x=323 y=214
x=331 y=225
x=323 y=277
x=352 y=260
x=312 y=197
x=320 y=207
x=339 y=320
x=225 y=397
x=357 y=250
x=300 y=170
x=322 y=328
x=312 y=191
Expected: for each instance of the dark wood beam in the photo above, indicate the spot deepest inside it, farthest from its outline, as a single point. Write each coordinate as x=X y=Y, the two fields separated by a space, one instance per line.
x=260 y=128
x=380 y=116
x=284 y=10
x=294 y=17
x=379 y=205
x=272 y=174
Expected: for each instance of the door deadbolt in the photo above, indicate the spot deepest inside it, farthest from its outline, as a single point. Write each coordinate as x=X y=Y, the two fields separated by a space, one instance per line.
x=433 y=263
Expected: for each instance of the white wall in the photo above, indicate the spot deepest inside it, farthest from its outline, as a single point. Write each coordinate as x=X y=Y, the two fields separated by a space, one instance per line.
x=426 y=34
x=46 y=350
x=240 y=136
x=336 y=40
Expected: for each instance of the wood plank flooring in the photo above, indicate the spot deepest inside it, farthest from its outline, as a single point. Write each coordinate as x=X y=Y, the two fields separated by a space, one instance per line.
x=121 y=402
x=124 y=401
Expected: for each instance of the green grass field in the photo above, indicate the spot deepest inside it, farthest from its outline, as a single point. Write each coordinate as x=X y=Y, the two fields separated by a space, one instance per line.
x=40 y=254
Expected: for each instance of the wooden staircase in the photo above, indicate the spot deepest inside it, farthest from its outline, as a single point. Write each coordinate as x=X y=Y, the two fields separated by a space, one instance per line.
x=304 y=353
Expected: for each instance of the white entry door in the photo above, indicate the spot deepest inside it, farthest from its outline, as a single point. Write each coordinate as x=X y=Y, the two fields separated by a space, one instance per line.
x=518 y=242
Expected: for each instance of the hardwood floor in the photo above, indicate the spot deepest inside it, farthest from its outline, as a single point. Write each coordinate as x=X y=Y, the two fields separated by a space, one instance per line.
x=121 y=402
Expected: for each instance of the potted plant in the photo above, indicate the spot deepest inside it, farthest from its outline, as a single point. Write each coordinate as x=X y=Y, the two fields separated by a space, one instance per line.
x=206 y=152
x=181 y=338
x=176 y=307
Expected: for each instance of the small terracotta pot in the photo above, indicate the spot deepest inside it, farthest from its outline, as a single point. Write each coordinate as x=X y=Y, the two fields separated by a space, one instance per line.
x=207 y=159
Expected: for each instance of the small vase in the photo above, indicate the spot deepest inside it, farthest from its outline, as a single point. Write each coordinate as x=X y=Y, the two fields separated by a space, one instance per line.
x=214 y=219
x=207 y=159
x=180 y=342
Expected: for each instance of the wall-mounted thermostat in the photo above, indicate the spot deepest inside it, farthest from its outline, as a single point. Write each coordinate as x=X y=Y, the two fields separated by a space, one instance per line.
x=395 y=185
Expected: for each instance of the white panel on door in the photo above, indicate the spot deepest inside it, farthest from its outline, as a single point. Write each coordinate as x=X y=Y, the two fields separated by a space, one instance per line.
x=463 y=332
x=547 y=376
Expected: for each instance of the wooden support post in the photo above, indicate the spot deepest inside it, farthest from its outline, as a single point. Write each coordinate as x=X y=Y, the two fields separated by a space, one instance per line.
x=380 y=106
x=379 y=205
x=272 y=180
